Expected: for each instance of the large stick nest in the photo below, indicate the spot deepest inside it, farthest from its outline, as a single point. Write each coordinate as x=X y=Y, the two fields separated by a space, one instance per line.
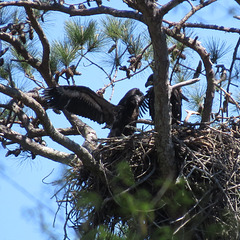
x=208 y=173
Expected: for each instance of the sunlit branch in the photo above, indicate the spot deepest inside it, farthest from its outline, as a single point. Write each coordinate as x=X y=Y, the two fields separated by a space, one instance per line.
x=39 y=132
x=38 y=149
x=44 y=67
x=169 y=6
x=34 y=62
x=229 y=96
x=22 y=116
x=74 y=12
x=185 y=83
x=194 y=9
x=232 y=64
x=82 y=128
x=204 y=26
x=86 y=157
x=19 y=47
x=196 y=46
x=97 y=65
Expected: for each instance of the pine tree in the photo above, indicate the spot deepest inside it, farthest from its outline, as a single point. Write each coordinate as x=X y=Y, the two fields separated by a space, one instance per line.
x=161 y=182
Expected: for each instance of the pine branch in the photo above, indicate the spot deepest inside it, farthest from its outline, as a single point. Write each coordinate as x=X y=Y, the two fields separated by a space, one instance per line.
x=232 y=63
x=204 y=26
x=73 y=11
x=193 y=11
x=86 y=131
x=185 y=83
x=45 y=66
x=169 y=6
x=19 y=47
x=210 y=75
x=39 y=132
x=38 y=149
x=81 y=152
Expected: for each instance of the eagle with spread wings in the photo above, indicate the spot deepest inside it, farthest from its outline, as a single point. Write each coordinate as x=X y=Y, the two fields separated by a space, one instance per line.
x=84 y=102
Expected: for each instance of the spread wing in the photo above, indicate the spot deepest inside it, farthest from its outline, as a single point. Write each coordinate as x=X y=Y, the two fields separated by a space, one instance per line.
x=128 y=113
x=82 y=101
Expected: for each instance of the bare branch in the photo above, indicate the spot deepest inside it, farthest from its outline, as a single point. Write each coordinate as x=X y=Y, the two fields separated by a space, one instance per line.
x=86 y=131
x=185 y=83
x=229 y=96
x=82 y=153
x=74 y=12
x=35 y=63
x=169 y=6
x=194 y=9
x=204 y=26
x=44 y=67
x=37 y=148
x=232 y=64
x=38 y=132
x=20 y=49
x=211 y=27
x=196 y=45
x=189 y=114
x=22 y=116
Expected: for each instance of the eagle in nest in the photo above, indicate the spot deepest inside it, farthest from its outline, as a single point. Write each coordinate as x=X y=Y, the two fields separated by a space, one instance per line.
x=84 y=102
x=175 y=100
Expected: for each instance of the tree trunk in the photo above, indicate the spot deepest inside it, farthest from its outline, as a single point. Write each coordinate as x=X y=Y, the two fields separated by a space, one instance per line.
x=164 y=145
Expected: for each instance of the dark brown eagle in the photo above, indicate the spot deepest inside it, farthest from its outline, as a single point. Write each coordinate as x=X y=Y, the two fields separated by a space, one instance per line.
x=175 y=100
x=84 y=102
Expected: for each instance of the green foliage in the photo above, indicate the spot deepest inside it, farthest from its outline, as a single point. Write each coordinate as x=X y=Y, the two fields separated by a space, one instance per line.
x=88 y=200
x=95 y=43
x=135 y=45
x=127 y=29
x=6 y=15
x=181 y=74
x=196 y=95
x=79 y=40
x=12 y=15
x=54 y=61
x=124 y=174
x=64 y=53
x=116 y=58
x=113 y=28
x=79 y=34
x=83 y=35
x=124 y=30
x=6 y=72
x=21 y=64
x=217 y=48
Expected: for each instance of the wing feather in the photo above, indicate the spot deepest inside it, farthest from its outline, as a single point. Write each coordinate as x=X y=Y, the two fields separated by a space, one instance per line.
x=82 y=101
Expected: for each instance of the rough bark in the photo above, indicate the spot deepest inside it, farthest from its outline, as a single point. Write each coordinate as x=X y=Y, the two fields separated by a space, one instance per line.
x=152 y=15
x=153 y=19
x=210 y=75
x=81 y=152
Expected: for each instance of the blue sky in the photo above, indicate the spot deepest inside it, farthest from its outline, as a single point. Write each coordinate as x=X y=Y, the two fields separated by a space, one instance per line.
x=24 y=191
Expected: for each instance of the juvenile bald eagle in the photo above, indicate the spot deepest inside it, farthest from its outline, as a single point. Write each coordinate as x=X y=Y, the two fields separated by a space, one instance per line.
x=175 y=100
x=84 y=102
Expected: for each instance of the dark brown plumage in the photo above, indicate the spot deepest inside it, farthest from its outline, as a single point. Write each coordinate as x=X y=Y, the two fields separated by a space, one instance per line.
x=175 y=100
x=84 y=102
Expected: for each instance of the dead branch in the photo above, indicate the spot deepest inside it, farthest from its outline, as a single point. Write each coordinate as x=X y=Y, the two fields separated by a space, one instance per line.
x=196 y=45
x=185 y=83
x=82 y=153
x=29 y=145
x=44 y=67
